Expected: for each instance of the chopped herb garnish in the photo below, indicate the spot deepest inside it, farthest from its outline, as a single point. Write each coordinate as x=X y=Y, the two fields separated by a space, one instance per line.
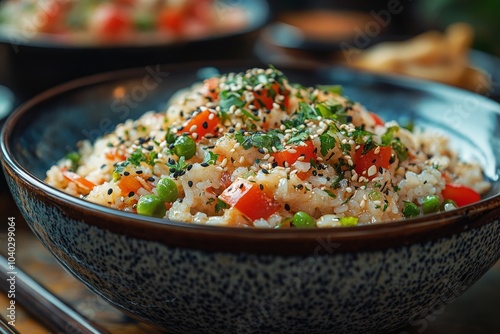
x=220 y=205
x=210 y=157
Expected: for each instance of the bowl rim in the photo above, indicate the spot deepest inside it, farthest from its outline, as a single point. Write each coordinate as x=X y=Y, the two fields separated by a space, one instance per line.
x=281 y=241
x=50 y=41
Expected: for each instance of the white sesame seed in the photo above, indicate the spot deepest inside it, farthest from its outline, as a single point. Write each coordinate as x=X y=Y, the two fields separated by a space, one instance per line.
x=372 y=170
x=265 y=157
x=242 y=159
x=193 y=128
x=377 y=150
x=344 y=141
x=211 y=116
x=362 y=203
x=223 y=163
x=348 y=189
x=236 y=145
x=377 y=202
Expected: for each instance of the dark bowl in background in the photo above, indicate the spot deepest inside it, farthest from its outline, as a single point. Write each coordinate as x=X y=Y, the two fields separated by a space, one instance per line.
x=31 y=65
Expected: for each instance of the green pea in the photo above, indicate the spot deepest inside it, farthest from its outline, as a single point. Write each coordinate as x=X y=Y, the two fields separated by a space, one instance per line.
x=185 y=146
x=167 y=190
x=431 y=204
x=410 y=209
x=302 y=219
x=151 y=205
x=448 y=205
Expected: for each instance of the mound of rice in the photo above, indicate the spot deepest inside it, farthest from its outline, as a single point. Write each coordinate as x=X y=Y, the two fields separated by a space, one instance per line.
x=252 y=149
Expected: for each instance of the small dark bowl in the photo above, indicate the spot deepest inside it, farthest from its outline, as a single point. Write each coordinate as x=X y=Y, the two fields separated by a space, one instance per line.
x=31 y=65
x=192 y=278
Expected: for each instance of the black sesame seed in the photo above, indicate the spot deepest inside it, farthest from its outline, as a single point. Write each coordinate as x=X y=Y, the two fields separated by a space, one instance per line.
x=265 y=171
x=261 y=186
x=380 y=170
x=241 y=185
x=150 y=147
x=190 y=183
x=300 y=186
x=126 y=173
x=103 y=165
x=130 y=194
x=231 y=130
x=261 y=150
x=110 y=191
x=205 y=125
x=151 y=179
x=274 y=164
x=314 y=172
x=204 y=164
x=287 y=207
x=139 y=172
x=171 y=161
x=189 y=167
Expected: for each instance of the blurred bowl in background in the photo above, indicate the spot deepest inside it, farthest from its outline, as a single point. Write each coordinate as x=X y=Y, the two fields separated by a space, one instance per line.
x=31 y=65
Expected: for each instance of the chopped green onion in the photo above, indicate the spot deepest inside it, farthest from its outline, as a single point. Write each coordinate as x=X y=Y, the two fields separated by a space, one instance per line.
x=348 y=221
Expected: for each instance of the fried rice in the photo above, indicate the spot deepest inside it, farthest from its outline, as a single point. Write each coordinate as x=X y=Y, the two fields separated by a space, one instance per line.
x=252 y=149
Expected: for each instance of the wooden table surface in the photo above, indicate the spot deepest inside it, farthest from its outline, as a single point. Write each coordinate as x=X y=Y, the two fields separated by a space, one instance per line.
x=477 y=311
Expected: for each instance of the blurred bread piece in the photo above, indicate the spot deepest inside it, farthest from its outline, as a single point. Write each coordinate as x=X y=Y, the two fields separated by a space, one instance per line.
x=433 y=55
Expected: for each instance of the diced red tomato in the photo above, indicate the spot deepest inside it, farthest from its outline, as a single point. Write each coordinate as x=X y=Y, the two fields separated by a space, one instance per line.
x=202 y=124
x=110 y=21
x=462 y=195
x=249 y=199
x=363 y=162
x=265 y=97
x=210 y=88
x=307 y=151
x=78 y=179
x=171 y=19
x=377 y=119
x=129 y=184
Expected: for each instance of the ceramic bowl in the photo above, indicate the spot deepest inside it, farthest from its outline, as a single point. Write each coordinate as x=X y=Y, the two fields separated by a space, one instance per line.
x=194 y=279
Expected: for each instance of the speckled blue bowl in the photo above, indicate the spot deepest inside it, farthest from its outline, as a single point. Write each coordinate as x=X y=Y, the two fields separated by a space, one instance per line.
x=193 y=279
